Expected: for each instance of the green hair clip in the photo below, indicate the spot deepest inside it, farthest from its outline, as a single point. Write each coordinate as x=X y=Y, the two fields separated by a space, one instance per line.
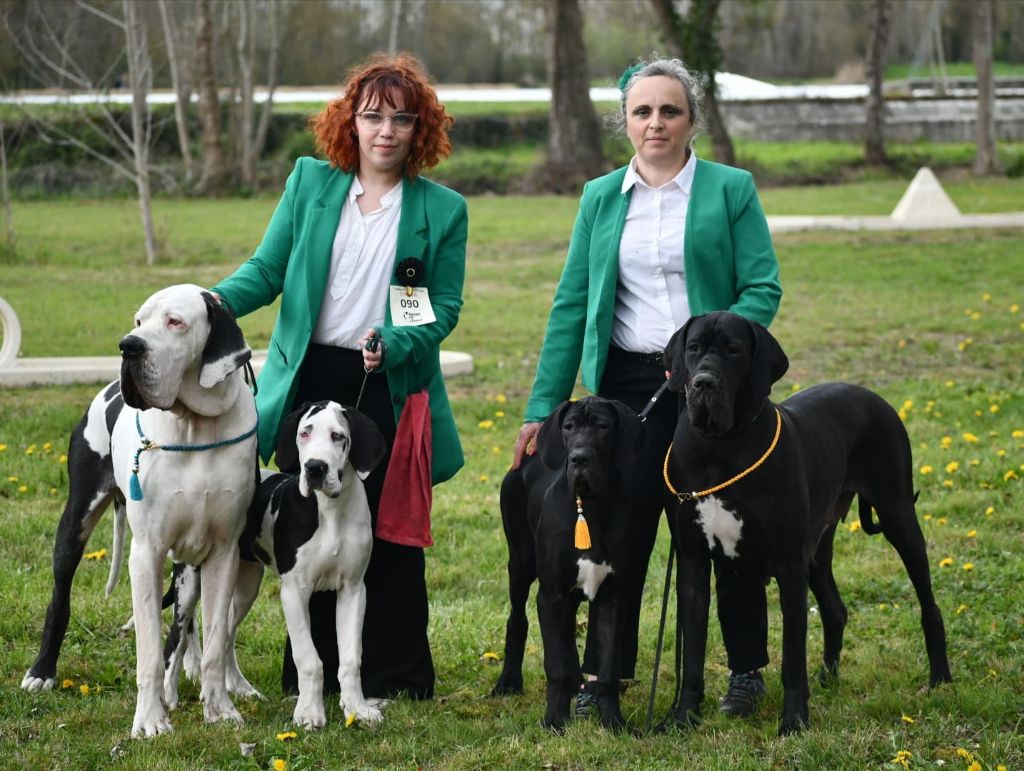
x=631 y=70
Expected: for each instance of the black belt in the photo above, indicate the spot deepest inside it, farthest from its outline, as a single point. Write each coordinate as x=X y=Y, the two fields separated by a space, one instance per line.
x=632 y=357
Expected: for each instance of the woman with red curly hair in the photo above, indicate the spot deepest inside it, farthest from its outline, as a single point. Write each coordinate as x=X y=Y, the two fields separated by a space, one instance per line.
x=353 y=241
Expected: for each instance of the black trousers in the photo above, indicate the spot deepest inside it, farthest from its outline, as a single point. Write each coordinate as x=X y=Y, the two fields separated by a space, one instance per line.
x=396 y=651
x=742 y=604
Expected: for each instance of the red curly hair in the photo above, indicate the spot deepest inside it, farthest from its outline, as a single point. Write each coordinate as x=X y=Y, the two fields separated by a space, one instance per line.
x=377 y=82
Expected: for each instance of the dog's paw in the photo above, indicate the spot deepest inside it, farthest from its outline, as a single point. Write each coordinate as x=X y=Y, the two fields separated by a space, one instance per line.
x=364 y=713
x=150 y=721
x=309 y=716
x=792 y=724
x=34 y=684
x=828 y=674
x=216 y=710
x=507 y=687
x=239 y=686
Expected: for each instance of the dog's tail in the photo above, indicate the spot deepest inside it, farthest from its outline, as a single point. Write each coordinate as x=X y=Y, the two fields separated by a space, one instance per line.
x=867 y=522
x=117 y=549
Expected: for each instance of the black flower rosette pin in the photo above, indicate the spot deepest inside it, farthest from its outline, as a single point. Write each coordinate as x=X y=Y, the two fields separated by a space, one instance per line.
x=409 y=273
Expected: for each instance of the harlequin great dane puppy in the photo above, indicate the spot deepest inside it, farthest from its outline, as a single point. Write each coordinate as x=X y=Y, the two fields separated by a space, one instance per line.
x=313 y=529
x=768 y=485
x=172 y=444
x=585 y=461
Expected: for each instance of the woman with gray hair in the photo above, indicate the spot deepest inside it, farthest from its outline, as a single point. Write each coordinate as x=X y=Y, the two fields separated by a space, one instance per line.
x=667 y=237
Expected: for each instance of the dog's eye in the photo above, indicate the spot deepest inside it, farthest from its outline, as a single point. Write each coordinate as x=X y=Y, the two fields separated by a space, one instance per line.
x=568 y=425
x=304 y=433
x=734 y=350
x=337 y=436
x=693 y=348
x=174 y=323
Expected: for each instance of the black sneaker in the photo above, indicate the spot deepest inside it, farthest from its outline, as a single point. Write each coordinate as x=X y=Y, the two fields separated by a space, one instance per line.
x=745 y=692
x=586 y=701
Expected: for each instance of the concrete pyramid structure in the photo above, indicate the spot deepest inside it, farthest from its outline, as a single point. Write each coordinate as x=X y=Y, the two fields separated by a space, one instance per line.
x=925 y=201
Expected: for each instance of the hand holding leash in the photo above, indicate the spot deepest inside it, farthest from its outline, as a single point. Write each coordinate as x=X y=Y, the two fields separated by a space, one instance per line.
x=373 y=351
x=526 y=443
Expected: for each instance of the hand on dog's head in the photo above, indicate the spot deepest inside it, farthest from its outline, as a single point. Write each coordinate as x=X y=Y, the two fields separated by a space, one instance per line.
x=739 y=356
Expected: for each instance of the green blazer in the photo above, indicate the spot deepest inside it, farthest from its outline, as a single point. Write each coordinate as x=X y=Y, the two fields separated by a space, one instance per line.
x=727 y=255
x=293 y=261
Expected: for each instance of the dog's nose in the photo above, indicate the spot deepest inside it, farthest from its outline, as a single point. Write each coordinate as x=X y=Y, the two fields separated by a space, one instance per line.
x=316 y=469
x=580 y=457
x=702 y=381
x=132 y=347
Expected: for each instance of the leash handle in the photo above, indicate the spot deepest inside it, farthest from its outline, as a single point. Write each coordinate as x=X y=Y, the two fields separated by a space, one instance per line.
x=372 y=343
x=653 y=400
x=661 y=634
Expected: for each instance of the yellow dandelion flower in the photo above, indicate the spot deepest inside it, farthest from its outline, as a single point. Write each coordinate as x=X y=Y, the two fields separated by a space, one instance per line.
x=1001 y=453
x=901 y=343
x=53 y=491
x=1017 y=433
x=975 y=766
x=947 y=482
x=907 y=719
x=495 y=449
x=22 y=488
x=84 y=689
x=975 y=316
x=926 y=469
x=993 y=408
x=67 y=682
x=968 y=566
x=927 y=517
x=977 y=413
x=794 y=388
x=280 y=765
x=908 y=404
x=63 y=459
x=499 y=413
x=986 y=297
x=972 y=533
x=485 y=424
x=949 y=383
x=490 y=656
x=964 y=753
x=990 y=511
x=96 y=555
x=974 y=462
x=483 y=477
x=945 y=562
x=882 y=605
x=960 y=609
x=350 y=720
x=3 y=448
x=970 y=438
x=952 y=467
x=903 y=758
x=854 y=526
x=287 y=736
x=500 y=398
x=1011 y=474
x=945 y=442
x=963 y=344
x=902 y=413
x=1014 y=308
x=30 y=450
x=1000 y=767
x=942 y=520
x=12 y=479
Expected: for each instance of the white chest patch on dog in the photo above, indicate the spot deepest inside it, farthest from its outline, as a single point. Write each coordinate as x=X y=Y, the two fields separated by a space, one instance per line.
x=591 y=575
x=719 y=523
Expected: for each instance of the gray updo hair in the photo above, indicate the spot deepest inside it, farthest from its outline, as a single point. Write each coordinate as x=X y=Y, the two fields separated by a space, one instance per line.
x=672 y=68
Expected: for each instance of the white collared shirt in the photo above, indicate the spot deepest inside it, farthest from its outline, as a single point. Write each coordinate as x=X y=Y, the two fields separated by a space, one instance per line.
x=362 y=258
x=650 y=299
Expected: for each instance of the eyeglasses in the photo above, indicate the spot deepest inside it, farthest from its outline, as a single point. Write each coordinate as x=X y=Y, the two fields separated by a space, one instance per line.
x=400 y=121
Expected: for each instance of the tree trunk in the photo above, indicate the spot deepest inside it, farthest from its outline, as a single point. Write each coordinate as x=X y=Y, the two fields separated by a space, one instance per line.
x=986 y=160
x=245 y=50
x=214 y=167
x=694 y=40
x=874 y=128
x=574 y=131
x=9 y=238
x=395 y=25
x=182 y=89
x=140 y=75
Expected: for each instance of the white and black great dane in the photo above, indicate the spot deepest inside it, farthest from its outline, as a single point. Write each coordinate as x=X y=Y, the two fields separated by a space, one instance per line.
x=182 y=389
x=314 y=530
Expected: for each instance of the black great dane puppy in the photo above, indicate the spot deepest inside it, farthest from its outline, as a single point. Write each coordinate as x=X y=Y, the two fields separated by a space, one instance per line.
x=765 y=485
x=586 y=453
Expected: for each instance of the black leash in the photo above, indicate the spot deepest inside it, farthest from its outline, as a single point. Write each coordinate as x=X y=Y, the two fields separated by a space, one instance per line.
x=371 y=346
x=653 y=400
x=661 y=636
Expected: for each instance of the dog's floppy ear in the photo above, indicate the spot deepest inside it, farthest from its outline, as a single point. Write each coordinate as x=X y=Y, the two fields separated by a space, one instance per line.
x=675 y=358
x=287 y=449
x=549 y=438
x=226 y=349
x=769 y=362
x=368 y=445
x=632 y=434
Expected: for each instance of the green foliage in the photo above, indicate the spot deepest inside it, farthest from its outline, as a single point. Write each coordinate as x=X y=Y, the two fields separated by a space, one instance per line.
x=932 y=320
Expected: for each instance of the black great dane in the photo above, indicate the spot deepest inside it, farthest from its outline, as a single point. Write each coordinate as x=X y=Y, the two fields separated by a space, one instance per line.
x=765 y=485
x=585 y=462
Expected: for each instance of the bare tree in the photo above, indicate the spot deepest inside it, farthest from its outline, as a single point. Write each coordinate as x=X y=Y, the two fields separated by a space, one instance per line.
x=574 y=131
x=874 y=129
x=181 y=79
x=986 y=160
x=394 y=25
x=253 y=136
x=695 y=40
x=48 y=49
x=214 y=171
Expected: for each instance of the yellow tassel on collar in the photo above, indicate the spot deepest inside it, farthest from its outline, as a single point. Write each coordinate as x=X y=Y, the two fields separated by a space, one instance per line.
x=582 y=534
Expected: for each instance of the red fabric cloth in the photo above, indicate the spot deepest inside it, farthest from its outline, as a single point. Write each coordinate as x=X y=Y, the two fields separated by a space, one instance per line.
x=404 y=513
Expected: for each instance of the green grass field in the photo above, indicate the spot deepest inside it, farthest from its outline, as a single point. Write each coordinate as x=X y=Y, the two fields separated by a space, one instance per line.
x=932 y=320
